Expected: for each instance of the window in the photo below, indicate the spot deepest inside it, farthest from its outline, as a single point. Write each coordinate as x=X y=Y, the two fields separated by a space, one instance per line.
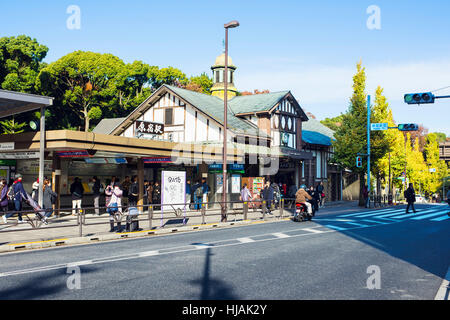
x=168 y=116
x=231 y=76
x=217 y=76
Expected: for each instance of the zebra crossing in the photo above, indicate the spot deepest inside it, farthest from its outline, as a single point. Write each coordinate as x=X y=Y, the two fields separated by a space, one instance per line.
x=374 y=217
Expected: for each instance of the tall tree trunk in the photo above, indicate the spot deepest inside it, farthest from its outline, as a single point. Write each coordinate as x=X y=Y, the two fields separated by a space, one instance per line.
x=86 y=120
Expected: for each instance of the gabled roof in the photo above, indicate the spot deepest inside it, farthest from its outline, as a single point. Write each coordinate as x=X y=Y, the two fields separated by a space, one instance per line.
x=256 y=102
x=213 y=106
x=106 y=126
x=313 y=132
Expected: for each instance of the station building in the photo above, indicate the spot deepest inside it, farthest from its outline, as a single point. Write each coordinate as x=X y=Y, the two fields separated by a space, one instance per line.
x=182 y=130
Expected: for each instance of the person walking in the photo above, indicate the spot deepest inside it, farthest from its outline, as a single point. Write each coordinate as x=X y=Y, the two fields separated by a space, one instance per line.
x=188 y=194
x=276 y=195
x=48 y=200
x=96 y=190
x=245 y=194
x=4 y=199
x=410 y=196
x=77 y=191
x=268 y=196
x=18 y=195
x=35 y=190
x=205 y=192
x=150 y=192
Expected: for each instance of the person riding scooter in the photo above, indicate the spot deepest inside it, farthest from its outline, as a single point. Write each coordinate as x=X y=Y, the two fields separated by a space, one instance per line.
x=302 y=196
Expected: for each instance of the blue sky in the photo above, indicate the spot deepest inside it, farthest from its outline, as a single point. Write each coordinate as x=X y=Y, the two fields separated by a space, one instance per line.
x=308 y=47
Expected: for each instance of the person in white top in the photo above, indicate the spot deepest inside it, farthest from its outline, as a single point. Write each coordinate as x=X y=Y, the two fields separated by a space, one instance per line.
x=114 y=205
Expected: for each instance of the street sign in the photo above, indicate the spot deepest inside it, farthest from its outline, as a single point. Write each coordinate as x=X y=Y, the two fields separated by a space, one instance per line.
x=378 y=126
x=149 y=127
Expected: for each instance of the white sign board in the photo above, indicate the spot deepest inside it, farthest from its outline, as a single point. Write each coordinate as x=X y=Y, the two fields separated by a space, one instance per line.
x=6 y=146
x=235 y=183
x=378 y=126
x=173 y=189
x=19 y=155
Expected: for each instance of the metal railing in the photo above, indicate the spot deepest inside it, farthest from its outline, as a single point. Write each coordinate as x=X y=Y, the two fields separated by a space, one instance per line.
x=150 y=213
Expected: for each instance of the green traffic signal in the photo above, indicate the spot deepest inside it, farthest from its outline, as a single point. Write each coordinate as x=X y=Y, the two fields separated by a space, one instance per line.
x=419 y=98
x=408 y=127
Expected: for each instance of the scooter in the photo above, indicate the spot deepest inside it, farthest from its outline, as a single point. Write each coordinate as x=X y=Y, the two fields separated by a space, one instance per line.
x=301 y=212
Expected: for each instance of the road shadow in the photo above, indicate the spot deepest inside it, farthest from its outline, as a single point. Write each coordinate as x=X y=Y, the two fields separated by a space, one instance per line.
x=213 y=288
x=39 y=285
x=422 y=243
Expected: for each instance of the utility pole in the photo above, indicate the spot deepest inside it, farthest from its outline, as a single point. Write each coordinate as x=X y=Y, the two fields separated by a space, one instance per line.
x=368 y=149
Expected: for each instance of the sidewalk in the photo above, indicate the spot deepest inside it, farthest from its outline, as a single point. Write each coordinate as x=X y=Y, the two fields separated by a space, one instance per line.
x=64 y=230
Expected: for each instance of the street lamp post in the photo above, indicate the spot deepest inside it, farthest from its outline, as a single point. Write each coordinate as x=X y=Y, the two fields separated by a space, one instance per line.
x=232 y=24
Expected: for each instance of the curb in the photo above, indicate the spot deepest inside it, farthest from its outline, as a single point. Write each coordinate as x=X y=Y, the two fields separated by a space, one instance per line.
x=15 y=247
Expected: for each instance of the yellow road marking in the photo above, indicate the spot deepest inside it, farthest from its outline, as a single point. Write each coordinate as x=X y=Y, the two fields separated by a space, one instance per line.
x=18 y=244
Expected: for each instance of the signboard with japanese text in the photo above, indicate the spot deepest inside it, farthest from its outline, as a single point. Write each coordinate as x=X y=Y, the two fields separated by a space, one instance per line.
x=378 y=126
x=149 y=127
x=173 y=191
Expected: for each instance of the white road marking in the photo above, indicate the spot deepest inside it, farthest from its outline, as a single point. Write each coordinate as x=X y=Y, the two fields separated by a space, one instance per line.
x=280 y=235
x=245 y=240
x=79 y=263
x=148 y=253
x=313 y=230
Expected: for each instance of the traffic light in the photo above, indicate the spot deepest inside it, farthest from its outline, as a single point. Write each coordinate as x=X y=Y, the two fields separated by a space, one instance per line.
x=419 y=98
x=408 y=127
x=358 y=162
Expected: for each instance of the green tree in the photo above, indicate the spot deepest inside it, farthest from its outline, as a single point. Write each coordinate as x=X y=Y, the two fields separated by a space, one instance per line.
x=333 y=123
x=350 y=137
x=170 y=75
x=84 y=85
x=201 y=83
x=11 y=126
x=441 y=137
x=431 y=153
x=20 y=61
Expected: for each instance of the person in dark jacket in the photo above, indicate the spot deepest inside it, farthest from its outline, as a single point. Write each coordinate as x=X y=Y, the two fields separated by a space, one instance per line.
x=268 y=196
x=410 y=196
x=3 y=199
x=316 y=198
x=319 y=190
x=133 y=192
x=156 y=193
x=76 y=190
x=19 y=196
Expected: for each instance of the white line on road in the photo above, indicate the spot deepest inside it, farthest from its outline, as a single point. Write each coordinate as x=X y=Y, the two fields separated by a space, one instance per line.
x=280 y=235
x=245 y=240
x=313 y=230
x=148 y=253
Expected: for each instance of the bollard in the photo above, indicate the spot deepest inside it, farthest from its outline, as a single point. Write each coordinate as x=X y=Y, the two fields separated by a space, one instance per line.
x=80 y=223
x=245 y=210
x=150 y=217
x=264 y=208
x=203 y=213
x=281 y=208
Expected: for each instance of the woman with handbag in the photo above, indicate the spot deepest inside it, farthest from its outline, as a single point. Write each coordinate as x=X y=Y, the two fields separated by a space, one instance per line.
x=114 y=206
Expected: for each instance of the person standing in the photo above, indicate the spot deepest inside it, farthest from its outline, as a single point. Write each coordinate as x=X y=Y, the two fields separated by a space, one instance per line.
x=96 y=191
x=276 y=195
x=3 y=199
x=245 y=194
x=188 y=194
x=133 y=193
x=205 y=192
x=77 y=191
x=319 y=190
x=197 y=191
x=125 y=189
x=49 y=199
x=35 y=190
x=145 y=196
x=316 y=198
x=268 y=196
x=410 y=196
x=114 y=206
x=157 y=194
x=150 y=192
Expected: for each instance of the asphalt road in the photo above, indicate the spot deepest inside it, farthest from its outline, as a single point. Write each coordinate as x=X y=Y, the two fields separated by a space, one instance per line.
x=338 y=255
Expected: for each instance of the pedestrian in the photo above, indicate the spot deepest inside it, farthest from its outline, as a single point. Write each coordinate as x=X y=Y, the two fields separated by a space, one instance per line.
x=17 y=194
x=157 y=194
x=133 y=192
x=125 y=189
x=315 y=198
x=77 y=191
x=145 y=195
x=150 y=192
x=410 y=196
x=205 y=192
x=321 y=194
x=245 y=194
x=276 y=195
x=302 y=196
x=114 y=207
x=35 y=190
x=4 y=199
x=198 y=195
x=49 y=199
x=268 y=196
x=188 y=194
x=97 y=190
